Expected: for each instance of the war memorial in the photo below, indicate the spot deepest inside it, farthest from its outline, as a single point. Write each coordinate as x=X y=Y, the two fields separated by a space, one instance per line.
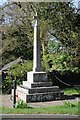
x=37 y=88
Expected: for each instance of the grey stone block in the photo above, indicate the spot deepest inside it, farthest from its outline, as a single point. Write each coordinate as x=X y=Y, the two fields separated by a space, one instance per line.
x=36 y=77
x=37 y=89
x=41 y=97
x=38 y=97
x=37 y=84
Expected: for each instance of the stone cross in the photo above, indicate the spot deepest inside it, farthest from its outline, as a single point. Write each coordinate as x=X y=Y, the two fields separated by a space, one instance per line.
x=37 y=53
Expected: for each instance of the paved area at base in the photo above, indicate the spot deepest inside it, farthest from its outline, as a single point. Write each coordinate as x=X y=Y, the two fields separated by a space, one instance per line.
x=6 y=101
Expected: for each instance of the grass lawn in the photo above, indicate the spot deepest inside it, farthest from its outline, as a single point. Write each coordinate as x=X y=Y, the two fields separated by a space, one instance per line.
x=61 y=109
x=72 y=91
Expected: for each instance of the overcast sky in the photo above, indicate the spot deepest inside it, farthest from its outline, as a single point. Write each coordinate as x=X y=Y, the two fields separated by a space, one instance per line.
x=76 y=2
x=2 y=1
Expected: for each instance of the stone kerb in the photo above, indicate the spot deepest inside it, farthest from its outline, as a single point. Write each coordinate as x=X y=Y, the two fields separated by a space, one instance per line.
x=39 y=117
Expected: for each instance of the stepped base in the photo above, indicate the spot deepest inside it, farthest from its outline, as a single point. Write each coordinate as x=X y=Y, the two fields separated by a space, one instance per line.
x=39 y=94
x=37 y=84
x=40 y=97
x=26 y=90
x=38 y=89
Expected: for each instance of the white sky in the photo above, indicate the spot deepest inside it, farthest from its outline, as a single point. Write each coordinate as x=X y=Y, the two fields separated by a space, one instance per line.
x=2 y=1
x=76 y=2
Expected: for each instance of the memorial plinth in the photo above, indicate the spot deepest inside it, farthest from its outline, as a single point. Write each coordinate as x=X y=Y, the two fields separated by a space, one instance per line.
x=37 y=88
x=36 y=76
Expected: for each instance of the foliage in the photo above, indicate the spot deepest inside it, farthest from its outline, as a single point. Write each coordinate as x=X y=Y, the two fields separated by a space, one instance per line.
x=17 y=72
x=69 y=104
x=20 y=70
x=54 y=46
x=57 y=20
x=21 y=104
x=45 y=63
x=17 y=33
x=72 y=91
x=17 y=44
x=61 y=62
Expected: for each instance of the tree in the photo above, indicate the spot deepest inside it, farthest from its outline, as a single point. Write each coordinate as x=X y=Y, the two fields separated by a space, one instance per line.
x=18 y=35
x=57 y=20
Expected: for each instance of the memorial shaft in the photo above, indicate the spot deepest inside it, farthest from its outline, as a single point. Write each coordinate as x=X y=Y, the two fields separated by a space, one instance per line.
x=37 y=53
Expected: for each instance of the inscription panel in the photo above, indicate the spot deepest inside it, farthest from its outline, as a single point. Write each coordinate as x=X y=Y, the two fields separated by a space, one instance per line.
x=40 y=77
x=36 y=77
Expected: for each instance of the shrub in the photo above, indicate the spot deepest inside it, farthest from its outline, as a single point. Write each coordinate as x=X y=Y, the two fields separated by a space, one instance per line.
x=60 y=62
x=69 y=104
x=21 y=104
x=17 y=72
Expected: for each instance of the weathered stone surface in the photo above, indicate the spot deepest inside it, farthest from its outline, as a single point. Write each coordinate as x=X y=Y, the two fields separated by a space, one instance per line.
x=37 y=89
x=44 y=97
x=40 y=97
x=36 y=77
x=37 y=84
x=37 y=51
x=39 y=94
x=21 y=95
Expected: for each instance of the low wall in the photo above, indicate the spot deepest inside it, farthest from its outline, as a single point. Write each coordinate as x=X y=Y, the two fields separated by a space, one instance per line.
x=39 y=117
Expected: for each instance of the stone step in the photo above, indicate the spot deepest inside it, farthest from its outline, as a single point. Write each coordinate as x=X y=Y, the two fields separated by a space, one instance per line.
x=26 y=90
x=37 y=84
x=41 y=97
